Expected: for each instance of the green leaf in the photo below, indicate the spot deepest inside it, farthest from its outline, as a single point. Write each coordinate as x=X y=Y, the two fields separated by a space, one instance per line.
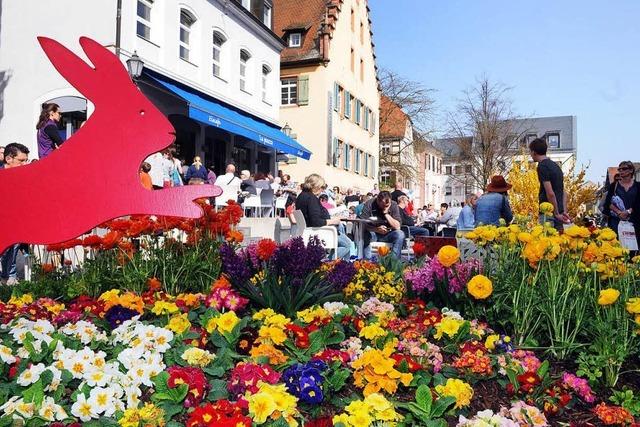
x=34 y=394
x=179 y=393
x=441 y=406
x=218 y=390
x=6 y=421
x=338 y=379
x=543 y=369
x=171 y=409
x=424 y=398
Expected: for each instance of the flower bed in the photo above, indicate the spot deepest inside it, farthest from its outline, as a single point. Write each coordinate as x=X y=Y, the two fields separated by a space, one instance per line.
x=280 y=337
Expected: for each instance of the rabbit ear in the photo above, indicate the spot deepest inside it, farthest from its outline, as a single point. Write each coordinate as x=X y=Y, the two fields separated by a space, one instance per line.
x=106 y=63
x=70 y=66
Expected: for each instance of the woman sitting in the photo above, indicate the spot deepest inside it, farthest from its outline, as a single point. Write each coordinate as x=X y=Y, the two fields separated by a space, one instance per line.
x=493 y=206
x=315 y=215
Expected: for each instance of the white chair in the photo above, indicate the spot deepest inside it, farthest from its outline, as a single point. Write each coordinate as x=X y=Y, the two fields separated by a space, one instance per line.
x=266 y=202
x=328 y=234
x=281 y=204
x=252 y=202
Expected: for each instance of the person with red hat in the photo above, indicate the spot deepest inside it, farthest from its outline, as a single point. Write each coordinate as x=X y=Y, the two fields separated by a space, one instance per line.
x=494 y=204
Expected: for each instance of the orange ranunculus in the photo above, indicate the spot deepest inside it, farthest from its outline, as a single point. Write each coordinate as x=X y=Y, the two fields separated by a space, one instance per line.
x=47 y=268
x=154 y=284
x=92 y=241
x=448 y=255
x=383 y=251
x=235 y=236
x=110 y=240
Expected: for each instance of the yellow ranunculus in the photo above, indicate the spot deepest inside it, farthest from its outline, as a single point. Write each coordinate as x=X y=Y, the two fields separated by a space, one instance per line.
x=546 y=208
x=608 y=296
x=633 y=305
x=480 y=287
x=448 y=255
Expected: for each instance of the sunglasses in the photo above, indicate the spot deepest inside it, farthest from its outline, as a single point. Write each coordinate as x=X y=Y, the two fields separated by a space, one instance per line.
x=625 y=168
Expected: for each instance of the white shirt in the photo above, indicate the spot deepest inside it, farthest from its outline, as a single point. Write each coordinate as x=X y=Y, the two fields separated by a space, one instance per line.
x=160 y=169
x=228 y=179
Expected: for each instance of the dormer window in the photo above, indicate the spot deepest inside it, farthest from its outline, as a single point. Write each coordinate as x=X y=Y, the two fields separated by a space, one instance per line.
x=295 y=39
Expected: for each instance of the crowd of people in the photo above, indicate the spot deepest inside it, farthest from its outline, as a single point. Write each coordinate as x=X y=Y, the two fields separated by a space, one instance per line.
x=388 y=216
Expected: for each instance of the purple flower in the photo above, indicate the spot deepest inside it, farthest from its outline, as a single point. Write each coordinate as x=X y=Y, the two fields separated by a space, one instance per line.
x=118 y=314
x=341 y=274
x=295 y=260
x=234 y=265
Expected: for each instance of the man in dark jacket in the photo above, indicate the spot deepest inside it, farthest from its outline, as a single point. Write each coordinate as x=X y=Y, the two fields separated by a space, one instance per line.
x=408 y=221
x=385 y=222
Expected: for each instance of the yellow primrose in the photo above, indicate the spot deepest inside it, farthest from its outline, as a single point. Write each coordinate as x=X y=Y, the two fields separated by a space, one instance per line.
x=164 y=307
x=179 y=323
x=372 y=332
x=448 y=326
x=454 y=387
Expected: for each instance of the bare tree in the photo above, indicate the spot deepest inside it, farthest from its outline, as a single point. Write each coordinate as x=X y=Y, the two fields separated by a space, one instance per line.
x=414 y=99
x=483 y=129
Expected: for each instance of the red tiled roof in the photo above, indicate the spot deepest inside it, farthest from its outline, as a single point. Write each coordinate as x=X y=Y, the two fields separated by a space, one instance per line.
x=393 y=121
x=300 y=14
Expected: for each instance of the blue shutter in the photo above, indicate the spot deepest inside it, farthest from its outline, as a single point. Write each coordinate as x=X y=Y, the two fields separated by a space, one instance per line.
x=336 y=97
x=358 y=112
x=366 y=164
x=336 y=153
x=366 y=118
x=347 y=104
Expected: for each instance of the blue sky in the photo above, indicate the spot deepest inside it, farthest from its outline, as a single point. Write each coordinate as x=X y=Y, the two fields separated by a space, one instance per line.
x=568 y=57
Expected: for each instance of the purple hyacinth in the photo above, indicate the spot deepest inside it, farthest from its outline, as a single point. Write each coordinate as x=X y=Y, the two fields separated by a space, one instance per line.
x=341 y=274
x=295 y=260
x=234 y=265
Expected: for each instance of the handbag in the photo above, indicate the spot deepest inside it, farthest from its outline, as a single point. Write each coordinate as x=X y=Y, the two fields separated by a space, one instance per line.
x=627 y=235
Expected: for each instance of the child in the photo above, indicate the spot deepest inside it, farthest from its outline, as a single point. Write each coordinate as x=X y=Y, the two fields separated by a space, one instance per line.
x=145 y=178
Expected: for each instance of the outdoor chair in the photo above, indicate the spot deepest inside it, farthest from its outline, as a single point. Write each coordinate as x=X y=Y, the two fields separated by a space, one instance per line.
x=229 y=192
x=252 y=203
x=266 y=202
x=281 y=205
x=328 y=234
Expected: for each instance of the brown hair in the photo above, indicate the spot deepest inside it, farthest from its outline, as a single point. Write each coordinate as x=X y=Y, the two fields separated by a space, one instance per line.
x=538 y=146
x=312 y=182
x=47 y=109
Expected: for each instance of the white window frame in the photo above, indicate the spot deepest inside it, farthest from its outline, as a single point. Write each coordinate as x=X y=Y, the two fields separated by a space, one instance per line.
x=288 y=84
x=143 y=21
x=266 y=15
x=217 y=48
x=356 y=163
x=266 y=71
x=295 y=39
x=246 y=4
x=555 y=134
x=347 y=157
x=366 y=164
x=184 y=48
x=244 y=69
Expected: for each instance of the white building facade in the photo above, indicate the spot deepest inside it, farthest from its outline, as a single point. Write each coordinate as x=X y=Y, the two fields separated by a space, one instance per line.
x=219 y=57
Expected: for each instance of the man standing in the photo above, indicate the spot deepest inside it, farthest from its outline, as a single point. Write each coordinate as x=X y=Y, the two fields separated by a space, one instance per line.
x=385 y=226
x=408 y=221
x=14 y=155
x=397 y=192
x=551 y=182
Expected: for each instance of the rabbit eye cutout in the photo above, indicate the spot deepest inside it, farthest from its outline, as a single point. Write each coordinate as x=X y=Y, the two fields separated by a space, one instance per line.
x=142 y=112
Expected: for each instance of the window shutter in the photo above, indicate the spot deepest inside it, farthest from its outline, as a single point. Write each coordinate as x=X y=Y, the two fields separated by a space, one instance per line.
x=358 y=111
x=347 y=104
x=366 y=118
x=331 y=151
x=373 y=123
x=303 y=90
x=373 y=167
x=336 y=97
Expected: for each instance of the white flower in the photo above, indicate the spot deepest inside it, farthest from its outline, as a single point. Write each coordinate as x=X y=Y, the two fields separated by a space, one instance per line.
x=83 y=409
x=334 y=307
x=451 y=314
x=133 y=396
x=96 y=377
x=31 y=375
x=6 y=355
x=51 y=411
x=55 y=381
x=9 y=406
x=25 y=410
x=102 y=400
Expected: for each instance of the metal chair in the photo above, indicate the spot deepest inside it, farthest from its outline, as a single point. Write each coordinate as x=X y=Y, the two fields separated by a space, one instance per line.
x=266 y=201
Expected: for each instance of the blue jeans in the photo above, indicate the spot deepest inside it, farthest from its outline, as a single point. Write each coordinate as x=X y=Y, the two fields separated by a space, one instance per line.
x=395 y=237
x=8 y=262
x=344 y=246
x=417 y=231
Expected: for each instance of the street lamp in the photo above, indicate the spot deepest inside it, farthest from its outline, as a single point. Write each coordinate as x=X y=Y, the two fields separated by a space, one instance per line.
x=287 y=130
x=135 y=66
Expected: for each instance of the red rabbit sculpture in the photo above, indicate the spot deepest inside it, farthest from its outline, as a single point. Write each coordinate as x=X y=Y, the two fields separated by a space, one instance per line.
x=94 y=177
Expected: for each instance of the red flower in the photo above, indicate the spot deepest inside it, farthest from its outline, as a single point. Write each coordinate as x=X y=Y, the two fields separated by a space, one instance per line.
x=195 y=380
x=111 y=239
x=528 y=381
x=266 y=248
x=412 y=365
x=300 y=334
x=222 y=413
x=48 y=268
x=92 y=241
x=419 y=249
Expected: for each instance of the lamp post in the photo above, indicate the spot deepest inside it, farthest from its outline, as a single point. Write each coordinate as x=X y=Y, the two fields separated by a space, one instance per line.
x=135 y=66
x=287 y=130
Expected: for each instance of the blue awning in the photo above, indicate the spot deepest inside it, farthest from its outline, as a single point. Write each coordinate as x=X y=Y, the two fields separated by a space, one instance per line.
x=206 y=110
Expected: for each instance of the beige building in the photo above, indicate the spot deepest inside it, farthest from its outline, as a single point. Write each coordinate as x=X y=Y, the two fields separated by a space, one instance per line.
x=330 y=97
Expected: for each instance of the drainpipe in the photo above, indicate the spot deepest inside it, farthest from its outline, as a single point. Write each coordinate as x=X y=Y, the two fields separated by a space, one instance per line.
x=118 y=26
